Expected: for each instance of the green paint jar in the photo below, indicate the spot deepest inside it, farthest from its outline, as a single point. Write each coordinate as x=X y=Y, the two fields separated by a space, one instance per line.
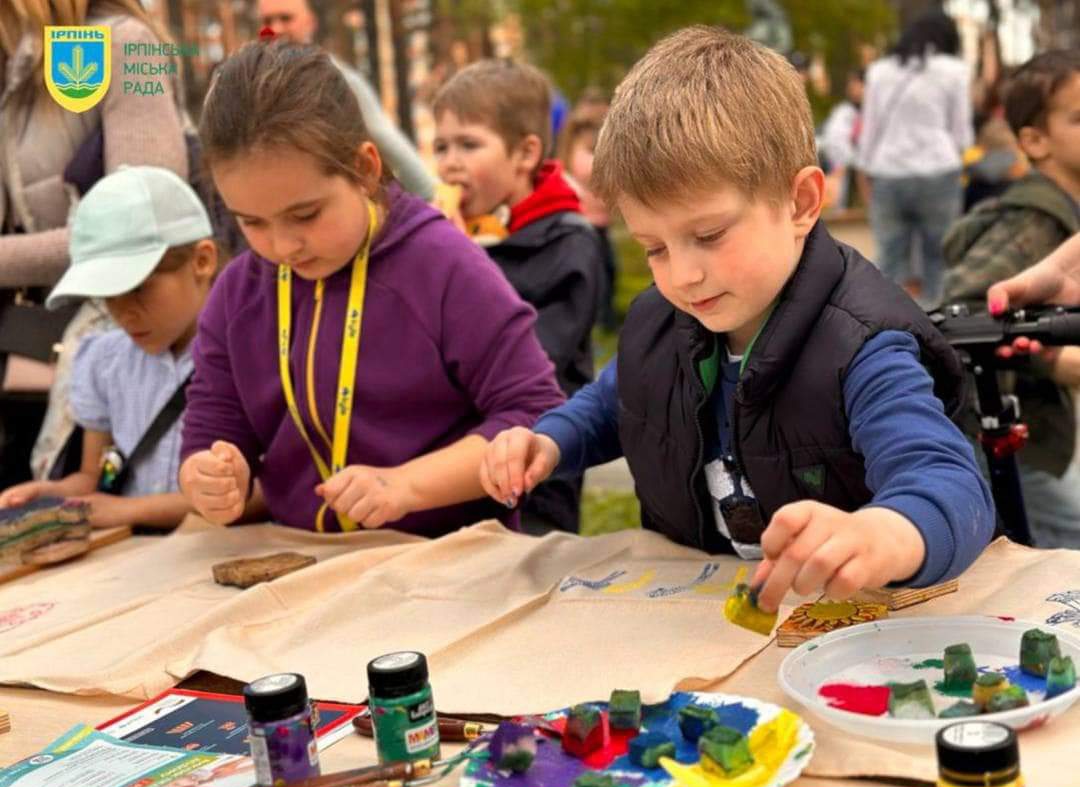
x=402 y=708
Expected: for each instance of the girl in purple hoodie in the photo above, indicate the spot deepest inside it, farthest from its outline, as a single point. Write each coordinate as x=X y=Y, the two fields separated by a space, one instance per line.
x=358 y=359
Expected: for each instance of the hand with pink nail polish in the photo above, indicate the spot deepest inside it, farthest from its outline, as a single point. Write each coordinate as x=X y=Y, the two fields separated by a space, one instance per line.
x=1055 y=279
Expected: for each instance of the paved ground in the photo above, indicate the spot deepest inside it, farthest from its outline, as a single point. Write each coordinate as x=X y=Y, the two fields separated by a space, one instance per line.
x=615 y=476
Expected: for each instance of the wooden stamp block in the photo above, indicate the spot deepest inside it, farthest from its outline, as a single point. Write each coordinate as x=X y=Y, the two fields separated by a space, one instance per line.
x=246 y=572
x=820 y=617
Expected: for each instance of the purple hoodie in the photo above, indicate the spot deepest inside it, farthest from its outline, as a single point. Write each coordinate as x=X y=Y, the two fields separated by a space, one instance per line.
x=447 y=349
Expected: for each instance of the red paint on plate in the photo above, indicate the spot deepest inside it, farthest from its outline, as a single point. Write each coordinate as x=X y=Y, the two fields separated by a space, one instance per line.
x=867 y=700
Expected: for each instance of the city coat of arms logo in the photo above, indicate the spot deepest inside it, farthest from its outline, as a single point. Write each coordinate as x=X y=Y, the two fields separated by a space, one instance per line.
x=78 y=65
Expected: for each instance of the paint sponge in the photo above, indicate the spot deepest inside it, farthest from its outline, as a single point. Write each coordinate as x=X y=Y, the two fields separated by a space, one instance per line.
x=1010 y=697
x=512 y=747
x=724 y=751
x=960 y=671
x=595 y=779
x=960 y=710
x=624 y=710
x=586 y=731
x=646 y=749
x=1036 y=649
x=910 y=701
x=695 y=720
x=1060 y=676
x=986 y=686
x=742 y=610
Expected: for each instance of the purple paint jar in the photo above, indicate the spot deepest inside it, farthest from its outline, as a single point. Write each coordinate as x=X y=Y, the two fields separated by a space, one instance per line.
x=282 y=729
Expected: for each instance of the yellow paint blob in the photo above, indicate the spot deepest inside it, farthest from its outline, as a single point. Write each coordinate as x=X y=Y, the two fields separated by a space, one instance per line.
x=632 y=584
x=770 y=743
x=832 y=610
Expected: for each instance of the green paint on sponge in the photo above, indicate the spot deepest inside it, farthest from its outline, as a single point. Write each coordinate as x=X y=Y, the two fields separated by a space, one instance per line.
x=724 y=751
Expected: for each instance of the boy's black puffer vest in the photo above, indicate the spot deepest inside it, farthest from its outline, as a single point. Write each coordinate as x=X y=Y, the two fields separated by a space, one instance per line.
x=789 y=421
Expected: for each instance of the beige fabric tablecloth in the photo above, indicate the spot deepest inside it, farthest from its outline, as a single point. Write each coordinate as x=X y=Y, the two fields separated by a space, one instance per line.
x=510 y=624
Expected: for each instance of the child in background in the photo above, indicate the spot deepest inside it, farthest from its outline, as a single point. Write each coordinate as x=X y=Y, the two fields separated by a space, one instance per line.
x=140 y=239
x=493 y=129
x=774 y=395
x=576 y=153
x=1005 y=235
x=357 y=360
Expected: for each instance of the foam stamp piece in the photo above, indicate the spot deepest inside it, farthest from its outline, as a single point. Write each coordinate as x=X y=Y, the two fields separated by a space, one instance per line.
x=512 y=747
x=960 y=670
x=741 y=609
x=724 y=751
x=820 y=617
x=39 y=523
x=986 y=686
x=1010 y=697
x=694 y=720
x=960 y=710
x=624 y=710
x=596 y=779
x=1037 y=647
x=646 y=749
x=246 y=572
x=586 y=731
x=1060 y=676
x=910 y=701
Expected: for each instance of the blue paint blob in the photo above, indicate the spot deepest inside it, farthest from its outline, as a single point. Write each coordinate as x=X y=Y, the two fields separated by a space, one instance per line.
x=1029 y=683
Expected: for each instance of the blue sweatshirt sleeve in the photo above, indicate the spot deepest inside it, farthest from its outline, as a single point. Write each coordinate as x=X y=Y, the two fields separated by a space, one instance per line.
x=918 y=463
x=586 y=428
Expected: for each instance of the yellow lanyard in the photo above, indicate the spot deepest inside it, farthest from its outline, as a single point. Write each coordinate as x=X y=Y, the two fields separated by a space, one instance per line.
x=350 y=350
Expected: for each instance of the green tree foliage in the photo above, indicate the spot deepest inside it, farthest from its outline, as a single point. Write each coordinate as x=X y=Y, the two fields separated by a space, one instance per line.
x=593 y=42
x=583 y=43
x=836 y=29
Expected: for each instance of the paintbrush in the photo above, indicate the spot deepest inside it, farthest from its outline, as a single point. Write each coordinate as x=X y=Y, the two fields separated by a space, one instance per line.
x=388 y=773
x=451 y=730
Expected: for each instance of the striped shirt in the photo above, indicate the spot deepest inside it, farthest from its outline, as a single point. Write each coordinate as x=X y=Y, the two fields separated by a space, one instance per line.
x=119 y=389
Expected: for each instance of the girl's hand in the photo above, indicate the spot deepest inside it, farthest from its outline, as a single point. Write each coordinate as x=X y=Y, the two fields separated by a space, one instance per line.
x=108 y=510
x=369 y=496
x=215 y=482
x=515 y=462
x=20 y=494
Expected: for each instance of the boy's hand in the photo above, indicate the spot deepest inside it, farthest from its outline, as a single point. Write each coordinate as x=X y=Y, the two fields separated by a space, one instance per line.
x=515 y=462
x=215 y=482
x=108 y=510
x=369 y=496
x=20 y=494
x=810 y=546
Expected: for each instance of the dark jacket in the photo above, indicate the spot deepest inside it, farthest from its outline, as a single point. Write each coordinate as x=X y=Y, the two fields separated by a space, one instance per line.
x=789 y=421
x=998 y=239
x=554 y=259
x=554 y=263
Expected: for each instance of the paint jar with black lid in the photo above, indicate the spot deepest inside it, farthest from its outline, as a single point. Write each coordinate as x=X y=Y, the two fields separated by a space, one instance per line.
x=978 y=753
x=282 y=729
x=402 y=708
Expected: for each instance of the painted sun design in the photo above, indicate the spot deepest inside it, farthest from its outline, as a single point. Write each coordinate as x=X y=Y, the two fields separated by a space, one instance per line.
x=822 y=616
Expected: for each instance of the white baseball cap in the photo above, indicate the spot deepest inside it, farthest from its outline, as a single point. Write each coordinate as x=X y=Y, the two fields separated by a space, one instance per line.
x=123 y=227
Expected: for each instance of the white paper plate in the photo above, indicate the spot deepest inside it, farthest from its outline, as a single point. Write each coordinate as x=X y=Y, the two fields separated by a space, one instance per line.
x=888 y=650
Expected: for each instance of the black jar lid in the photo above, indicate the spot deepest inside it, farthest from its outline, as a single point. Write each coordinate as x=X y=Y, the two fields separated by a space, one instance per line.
x=978 y=752
x=397 y=674
x=276 y=697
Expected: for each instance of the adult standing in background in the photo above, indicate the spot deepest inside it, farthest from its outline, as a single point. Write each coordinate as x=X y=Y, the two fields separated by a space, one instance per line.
x=295 y=20
x=916 y=124
x=39 y=140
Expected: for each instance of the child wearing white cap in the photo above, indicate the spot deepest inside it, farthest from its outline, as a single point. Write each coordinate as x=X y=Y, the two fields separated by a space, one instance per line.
x=142 y=241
